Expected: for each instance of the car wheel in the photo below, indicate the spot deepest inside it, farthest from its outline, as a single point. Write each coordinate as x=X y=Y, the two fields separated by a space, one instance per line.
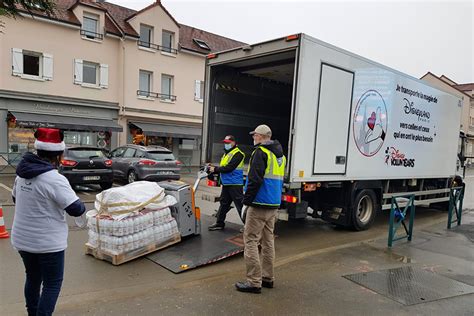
x=132 y=176
x=365 y=210
x=106 y=185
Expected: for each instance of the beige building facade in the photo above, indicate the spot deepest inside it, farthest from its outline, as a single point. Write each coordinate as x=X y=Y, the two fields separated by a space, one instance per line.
x=104 y=73
x=465 y=92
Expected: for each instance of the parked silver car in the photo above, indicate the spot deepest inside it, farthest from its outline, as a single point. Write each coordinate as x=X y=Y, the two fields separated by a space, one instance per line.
x=151 y=163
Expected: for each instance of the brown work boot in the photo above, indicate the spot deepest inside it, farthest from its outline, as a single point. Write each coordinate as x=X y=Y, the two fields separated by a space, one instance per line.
x=268 y=284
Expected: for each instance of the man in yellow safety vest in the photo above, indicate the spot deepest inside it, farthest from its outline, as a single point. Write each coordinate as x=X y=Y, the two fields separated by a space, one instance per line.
x=262 y=198
x=231 y=169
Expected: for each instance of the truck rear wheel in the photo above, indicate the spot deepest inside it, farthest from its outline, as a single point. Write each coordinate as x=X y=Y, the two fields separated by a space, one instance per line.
x=364 y=209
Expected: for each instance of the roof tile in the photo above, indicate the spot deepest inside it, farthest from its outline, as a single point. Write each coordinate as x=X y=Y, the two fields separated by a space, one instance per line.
x=118 y=16
x=187 y=34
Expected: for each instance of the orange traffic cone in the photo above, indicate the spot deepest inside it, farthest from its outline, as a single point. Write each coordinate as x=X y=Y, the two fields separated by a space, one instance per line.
x=3 y=231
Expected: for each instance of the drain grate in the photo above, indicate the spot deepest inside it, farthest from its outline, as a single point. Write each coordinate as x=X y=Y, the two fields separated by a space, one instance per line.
x=410 y=285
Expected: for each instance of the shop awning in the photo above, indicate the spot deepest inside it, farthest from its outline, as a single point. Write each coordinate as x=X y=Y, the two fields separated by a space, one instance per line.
x=35 y=120
x=168 y=130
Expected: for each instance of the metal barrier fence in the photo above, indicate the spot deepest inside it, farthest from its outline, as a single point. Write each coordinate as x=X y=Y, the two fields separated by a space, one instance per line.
x=398 y=216
x=456 y=197
x=8 y=162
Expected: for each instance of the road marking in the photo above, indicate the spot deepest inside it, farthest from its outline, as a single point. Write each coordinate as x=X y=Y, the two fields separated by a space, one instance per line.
x=85 y=193
x=5 y=187
x=115 y=185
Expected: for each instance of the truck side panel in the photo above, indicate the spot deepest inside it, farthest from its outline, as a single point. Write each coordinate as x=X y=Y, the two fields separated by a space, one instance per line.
x=399 y=127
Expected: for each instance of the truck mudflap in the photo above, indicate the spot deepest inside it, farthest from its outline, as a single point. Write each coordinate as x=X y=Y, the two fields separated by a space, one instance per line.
x=200 y=250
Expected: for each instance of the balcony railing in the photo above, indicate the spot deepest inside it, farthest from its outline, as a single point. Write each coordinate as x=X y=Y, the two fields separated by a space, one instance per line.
x=92 y=35
x=155 y=95
x=167 y=97
x=157 y=47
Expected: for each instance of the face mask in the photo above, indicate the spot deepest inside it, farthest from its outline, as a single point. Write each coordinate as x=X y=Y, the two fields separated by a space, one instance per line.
x=227 y=146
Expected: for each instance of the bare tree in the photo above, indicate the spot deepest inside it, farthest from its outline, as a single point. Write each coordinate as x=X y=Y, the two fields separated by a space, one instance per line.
x=12 y=8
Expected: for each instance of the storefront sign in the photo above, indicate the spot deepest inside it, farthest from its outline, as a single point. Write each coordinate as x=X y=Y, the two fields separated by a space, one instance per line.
x=31 y=124
x=58 y=109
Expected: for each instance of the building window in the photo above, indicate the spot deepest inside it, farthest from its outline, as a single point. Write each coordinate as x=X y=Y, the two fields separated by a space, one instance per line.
x=201 y=44
x=187 y=144
x=32 y=65
x=90 y=27
x=471 y=121
x=145 y=83
x=96 y=139
x=146 y=36
x=199 y=90
x=167 y=88
x=90 y=73
x=167 y=41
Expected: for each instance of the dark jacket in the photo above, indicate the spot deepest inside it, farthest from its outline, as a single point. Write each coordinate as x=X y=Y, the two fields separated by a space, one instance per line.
x=32 y=166
x=258 y=164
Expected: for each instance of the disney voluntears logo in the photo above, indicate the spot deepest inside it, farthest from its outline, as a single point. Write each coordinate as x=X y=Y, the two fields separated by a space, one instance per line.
x=394 y=157
x=370 y=123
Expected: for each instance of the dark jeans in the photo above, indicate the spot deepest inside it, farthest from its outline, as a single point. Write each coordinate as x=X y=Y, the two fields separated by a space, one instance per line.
x=45 y=269
x=229 y=193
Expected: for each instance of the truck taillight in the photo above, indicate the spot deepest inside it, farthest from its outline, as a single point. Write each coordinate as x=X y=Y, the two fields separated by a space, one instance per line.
x=68 y=163
x=289 y=198
x=108 y=163
x=211 y=56
x=145 y=162
x=292 y=37
x=211 y=183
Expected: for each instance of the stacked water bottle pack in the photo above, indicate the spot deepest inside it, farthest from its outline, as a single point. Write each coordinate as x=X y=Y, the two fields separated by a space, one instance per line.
x=133 y=232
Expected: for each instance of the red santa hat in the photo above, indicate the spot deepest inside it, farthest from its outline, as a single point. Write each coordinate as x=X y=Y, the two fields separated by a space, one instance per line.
x=49 y=139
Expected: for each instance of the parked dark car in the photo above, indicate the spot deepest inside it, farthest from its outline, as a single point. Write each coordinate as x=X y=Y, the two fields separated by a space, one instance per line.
x=87 y=165
x=151 y=163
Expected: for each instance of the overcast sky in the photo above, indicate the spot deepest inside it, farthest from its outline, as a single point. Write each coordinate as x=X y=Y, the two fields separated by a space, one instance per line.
x=411 y=36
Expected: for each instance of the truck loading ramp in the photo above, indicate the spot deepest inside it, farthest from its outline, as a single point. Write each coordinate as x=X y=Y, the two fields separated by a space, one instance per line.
x=200 y=250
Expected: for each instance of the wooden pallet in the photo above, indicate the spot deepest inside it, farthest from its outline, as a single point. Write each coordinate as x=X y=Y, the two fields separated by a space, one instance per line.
x=131 y=255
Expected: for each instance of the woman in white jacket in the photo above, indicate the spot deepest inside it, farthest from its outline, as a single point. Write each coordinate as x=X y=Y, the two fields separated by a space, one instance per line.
x=42 y=198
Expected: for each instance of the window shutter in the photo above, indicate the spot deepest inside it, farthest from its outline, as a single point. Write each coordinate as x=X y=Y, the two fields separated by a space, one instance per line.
x=104 y=76
x=17 y=61
x=202 y=92
x=197 y=90
x=78 y=71
x=48 y=66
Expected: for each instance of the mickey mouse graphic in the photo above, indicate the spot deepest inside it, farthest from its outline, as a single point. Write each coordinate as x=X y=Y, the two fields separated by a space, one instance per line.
x=375 y=131
x=370 y=123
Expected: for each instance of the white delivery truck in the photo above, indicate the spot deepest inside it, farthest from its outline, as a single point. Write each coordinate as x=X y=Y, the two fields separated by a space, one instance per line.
x=355 y=133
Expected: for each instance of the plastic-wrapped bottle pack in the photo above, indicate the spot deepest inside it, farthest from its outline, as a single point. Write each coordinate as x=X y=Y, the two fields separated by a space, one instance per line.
x=133 y=232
